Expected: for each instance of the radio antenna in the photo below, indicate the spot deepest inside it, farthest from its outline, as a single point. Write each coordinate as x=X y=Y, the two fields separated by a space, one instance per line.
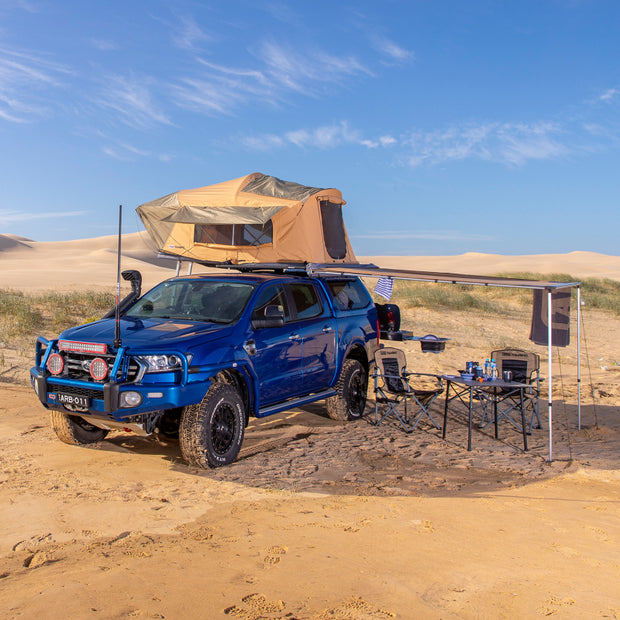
x=117 y=313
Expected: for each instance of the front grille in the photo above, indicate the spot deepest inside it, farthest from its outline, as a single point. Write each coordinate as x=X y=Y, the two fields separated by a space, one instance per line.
x=77 y=366
x=77 y=391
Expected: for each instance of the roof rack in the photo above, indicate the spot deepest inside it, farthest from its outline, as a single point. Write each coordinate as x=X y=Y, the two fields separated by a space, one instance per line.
x=302 y=268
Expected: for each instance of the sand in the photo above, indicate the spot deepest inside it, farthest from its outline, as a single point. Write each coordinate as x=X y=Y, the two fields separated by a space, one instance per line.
x=318 y=519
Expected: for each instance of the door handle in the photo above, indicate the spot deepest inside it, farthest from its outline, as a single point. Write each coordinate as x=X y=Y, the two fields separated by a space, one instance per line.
x=327 y=329
x=294 y=337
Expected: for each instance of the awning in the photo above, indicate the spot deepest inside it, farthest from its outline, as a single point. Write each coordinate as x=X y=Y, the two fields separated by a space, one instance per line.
x=372 y=271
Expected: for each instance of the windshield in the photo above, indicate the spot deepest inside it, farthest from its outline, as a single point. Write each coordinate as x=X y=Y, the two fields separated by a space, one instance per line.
x=211 y=301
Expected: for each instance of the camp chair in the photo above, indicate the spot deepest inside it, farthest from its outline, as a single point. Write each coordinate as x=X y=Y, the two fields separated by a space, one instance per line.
x=393 y=388
x=525 y=367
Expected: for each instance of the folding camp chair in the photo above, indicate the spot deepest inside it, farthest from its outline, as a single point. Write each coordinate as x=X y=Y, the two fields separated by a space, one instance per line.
x=525 y=367
x=393 y=389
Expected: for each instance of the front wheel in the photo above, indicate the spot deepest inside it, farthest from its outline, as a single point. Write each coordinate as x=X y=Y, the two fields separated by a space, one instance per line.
x=75 y=430
x=352 y=387
x=211 y=433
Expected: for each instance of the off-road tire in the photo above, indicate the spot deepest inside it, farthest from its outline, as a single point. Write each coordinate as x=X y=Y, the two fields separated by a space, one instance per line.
x=352 y=388
x=211 y=433
x=75 y=430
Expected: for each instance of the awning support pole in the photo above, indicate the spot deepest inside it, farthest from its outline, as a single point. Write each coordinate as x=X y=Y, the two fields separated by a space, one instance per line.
x=578 y=358
x=550 y=369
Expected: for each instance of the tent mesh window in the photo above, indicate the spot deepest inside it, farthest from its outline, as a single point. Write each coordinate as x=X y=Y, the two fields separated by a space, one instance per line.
x=333 y=229
x=234 y=234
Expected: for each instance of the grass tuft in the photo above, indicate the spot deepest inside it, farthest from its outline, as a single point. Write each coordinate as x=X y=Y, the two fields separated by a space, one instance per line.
x=26 y=314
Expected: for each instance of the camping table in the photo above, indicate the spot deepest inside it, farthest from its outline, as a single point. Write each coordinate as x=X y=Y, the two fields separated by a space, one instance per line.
x=494 y=392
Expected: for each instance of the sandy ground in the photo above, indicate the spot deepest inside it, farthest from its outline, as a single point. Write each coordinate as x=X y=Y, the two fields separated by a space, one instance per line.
x=319 y=519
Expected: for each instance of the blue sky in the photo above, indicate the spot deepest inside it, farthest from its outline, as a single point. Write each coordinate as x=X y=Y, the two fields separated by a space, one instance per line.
x=450 y=126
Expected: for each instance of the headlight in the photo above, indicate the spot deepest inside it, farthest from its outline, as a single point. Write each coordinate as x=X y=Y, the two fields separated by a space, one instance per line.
x=162 y=363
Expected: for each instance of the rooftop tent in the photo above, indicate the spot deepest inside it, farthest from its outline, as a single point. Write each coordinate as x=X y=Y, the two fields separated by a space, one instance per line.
x=255 y=218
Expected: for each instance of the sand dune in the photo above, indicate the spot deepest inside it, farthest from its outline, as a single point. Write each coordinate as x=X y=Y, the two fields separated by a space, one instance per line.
x=317 y=519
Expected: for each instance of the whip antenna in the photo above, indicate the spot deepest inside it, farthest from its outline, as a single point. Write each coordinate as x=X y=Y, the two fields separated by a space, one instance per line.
x=117 y=313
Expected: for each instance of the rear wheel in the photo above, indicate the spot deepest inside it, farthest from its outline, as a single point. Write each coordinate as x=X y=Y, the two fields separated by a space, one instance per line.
x=75 y=430
x=211 y=433
x=352 y=387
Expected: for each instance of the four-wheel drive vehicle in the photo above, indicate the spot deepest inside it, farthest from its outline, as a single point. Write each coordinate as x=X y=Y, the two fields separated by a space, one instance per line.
x=197 y=355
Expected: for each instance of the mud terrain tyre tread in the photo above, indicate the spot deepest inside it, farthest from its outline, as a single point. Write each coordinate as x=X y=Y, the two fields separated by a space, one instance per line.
x=75 y=430
x=211 y=433
x=352 y=387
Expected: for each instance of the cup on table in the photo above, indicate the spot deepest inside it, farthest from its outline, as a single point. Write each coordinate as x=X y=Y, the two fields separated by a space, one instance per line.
x=470 y=367
x=507 y=375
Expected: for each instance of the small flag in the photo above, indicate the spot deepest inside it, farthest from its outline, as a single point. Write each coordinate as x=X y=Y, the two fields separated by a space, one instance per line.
x=384 y=288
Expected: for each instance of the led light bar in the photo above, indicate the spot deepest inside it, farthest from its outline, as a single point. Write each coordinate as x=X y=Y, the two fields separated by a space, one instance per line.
x=82 y=347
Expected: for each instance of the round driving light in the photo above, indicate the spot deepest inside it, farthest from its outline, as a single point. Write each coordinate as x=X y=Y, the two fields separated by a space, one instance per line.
x=130 y=399
x=55 y=363
x=98 y=369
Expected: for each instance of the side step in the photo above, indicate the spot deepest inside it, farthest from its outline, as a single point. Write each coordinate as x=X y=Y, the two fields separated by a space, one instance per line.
x=295 y=402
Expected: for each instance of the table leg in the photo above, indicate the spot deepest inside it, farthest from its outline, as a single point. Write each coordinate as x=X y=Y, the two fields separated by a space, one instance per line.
x=471 y=397
x=495 y=413
x=445 y=411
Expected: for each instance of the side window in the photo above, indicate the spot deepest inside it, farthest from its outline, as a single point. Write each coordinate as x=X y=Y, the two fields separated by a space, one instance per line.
x=306 y=300
x=271 y=296
x=348 y=294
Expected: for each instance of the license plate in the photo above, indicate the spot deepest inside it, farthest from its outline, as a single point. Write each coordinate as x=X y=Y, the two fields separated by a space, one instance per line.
x=72 y=399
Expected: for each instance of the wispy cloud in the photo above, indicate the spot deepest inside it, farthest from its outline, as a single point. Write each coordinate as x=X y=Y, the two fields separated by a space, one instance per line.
x=323 y=137
x=390 y=50
x=23 y=74
x=131 y=98
x=123 y=151
x=282 y=12
x=189 y=35
x=384 y=141
x=507 y=143
x=609 y=95
x=278 y=71
x=298 y=71
x=103 y=45
x=8 y=217
x=127 y=152
x=221 y=89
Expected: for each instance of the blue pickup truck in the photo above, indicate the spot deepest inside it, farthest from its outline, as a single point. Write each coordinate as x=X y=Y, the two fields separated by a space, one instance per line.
x=196 y=356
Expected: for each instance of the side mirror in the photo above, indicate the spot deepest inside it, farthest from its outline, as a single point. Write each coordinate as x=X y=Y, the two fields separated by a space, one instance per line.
x=274 y=317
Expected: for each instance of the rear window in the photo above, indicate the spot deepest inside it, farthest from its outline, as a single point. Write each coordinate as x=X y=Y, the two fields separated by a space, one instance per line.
x=348 y=294
x=306 y=300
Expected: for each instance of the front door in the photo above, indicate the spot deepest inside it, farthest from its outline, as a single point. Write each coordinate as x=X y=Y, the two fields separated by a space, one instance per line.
x=279 y=351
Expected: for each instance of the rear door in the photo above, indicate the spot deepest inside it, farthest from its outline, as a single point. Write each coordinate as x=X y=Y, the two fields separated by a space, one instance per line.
x=318 y=330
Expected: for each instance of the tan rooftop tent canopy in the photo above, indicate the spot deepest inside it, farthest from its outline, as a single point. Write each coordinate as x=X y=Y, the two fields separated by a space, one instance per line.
x=255 y=218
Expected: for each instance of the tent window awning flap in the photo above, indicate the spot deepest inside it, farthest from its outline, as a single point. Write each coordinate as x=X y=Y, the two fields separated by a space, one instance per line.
x=223 y=215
